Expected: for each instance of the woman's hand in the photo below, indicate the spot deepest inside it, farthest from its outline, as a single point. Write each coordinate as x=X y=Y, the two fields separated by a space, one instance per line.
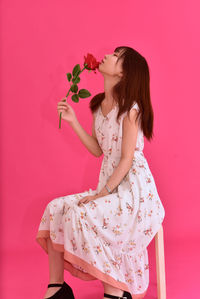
x=88 y=198
x=68 y=113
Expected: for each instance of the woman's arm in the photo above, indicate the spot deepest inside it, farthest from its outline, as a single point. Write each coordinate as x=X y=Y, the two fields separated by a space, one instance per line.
x=89 y=141
x=129 y=139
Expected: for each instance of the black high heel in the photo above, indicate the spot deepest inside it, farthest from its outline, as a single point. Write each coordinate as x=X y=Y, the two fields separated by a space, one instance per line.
x=64 y=292
x=126 y=295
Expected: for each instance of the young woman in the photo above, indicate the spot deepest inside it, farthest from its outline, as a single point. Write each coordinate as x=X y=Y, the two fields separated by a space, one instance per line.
x=104 y=233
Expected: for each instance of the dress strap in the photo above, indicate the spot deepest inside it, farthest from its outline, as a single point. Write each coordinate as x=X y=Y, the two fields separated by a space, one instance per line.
x=135 y=106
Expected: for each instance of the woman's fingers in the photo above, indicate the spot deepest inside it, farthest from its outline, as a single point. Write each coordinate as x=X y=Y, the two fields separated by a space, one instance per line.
x=83 y=200
x=63 y=99
x=67 y=111
x=86 y=199
x=62 y=105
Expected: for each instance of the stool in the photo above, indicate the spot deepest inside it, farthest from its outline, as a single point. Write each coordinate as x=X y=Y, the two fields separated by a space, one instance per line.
x=160 y=264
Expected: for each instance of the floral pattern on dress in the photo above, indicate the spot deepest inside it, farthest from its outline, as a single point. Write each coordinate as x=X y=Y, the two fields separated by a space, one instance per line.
x=112 y=232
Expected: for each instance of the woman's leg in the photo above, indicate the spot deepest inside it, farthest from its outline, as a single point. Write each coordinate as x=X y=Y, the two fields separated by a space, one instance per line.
x=56 y=268
x=111 y=290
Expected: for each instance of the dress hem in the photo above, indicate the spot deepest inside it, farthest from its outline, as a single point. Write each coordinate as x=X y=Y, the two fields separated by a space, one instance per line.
x=93 y=272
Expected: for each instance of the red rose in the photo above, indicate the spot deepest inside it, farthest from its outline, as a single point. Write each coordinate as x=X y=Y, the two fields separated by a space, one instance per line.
x=91 y=61
x=90 y=64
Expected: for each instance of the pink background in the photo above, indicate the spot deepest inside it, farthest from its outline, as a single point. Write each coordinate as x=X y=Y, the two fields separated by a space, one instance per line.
x=40 y=42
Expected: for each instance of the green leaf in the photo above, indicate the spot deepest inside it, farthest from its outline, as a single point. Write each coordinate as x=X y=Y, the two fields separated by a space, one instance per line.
x=69 y=76
x=75 y=98
x=76 y=70
x=74 y=88
x=84 y=93
x=76 y=80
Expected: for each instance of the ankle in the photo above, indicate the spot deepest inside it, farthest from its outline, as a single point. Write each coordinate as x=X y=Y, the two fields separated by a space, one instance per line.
x=56 y=281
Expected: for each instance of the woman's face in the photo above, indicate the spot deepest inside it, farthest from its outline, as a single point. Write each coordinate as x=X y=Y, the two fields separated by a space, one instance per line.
x=110 y=66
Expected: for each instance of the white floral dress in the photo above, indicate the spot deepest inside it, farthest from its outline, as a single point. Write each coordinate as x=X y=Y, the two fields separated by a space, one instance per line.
x=107 y=238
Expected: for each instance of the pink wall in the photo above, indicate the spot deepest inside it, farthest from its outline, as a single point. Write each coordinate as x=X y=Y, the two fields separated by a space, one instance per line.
x=40 y=42
x=41 y=162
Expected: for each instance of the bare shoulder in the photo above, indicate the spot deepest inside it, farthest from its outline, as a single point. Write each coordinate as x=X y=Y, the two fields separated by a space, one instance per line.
x=130 y=117
x=129 y=134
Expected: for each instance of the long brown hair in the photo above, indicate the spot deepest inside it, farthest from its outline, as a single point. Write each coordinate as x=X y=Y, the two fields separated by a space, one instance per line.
x=134 y=87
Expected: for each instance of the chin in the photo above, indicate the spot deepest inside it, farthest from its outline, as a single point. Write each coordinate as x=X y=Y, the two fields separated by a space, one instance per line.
x=99 y=68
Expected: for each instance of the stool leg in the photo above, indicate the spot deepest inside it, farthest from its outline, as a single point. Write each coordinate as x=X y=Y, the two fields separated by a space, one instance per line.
x=160 y=264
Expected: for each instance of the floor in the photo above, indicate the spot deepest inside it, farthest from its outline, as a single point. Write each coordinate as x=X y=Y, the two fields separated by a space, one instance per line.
x=24 y=274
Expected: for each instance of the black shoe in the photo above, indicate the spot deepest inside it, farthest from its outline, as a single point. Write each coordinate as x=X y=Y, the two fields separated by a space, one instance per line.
x=64 y=292
x=126 y=295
